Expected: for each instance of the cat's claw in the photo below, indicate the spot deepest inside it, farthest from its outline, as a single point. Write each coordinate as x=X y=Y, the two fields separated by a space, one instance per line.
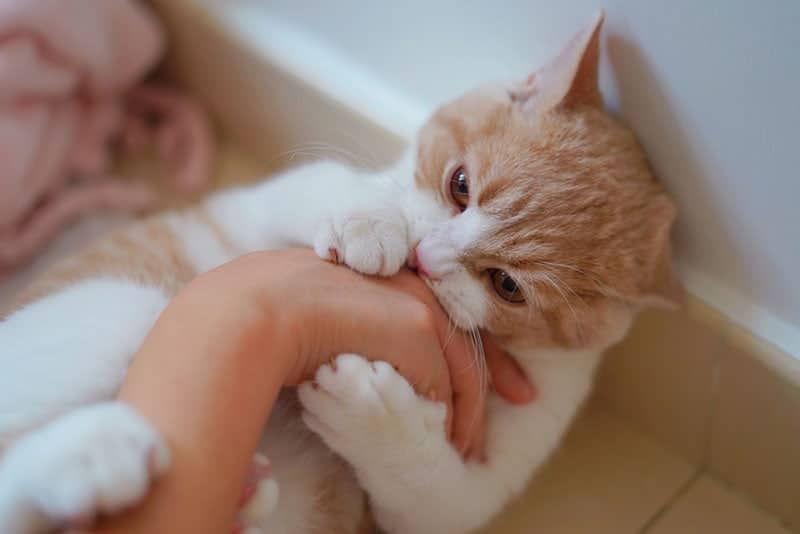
x=104 y=460
x=368 y=243
x=354 y=398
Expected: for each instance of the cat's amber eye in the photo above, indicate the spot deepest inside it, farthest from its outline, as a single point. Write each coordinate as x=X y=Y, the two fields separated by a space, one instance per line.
x=505 y=286
x=459 y=188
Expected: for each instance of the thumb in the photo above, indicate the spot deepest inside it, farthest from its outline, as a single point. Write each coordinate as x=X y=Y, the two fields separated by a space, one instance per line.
x=508 y=379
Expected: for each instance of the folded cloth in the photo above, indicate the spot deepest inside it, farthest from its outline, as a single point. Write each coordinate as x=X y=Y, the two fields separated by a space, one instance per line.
x=70 y=92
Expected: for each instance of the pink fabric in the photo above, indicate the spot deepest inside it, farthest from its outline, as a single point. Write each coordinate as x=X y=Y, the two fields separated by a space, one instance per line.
x=70 y=88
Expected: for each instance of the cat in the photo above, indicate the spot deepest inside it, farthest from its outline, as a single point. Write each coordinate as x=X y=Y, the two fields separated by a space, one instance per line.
x=530 y=212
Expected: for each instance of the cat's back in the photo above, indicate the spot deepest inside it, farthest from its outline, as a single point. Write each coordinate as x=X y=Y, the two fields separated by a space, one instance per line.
x=164 y=251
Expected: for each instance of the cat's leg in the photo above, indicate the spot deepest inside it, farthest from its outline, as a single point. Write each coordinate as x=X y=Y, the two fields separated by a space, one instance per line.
x=398 y=447
x=375 y=236
x=370 y=241
x=58 y=354
x=96 y=460
x=367 y=221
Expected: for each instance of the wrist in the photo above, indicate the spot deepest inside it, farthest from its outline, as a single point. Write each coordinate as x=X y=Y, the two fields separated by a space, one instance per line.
x=247 y=323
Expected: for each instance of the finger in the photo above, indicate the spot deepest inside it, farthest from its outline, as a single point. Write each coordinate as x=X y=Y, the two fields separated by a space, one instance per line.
x=421 y=364
x=435 y=382
x=466 y=420
x=431 y=377
x=508 y=379
x=469 y=392
x=476 y=450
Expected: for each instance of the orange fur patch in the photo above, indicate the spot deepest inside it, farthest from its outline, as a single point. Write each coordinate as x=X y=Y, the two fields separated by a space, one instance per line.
x=583 y=224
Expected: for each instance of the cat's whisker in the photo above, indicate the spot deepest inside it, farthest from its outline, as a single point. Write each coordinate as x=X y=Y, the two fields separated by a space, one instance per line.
x=600 y=286
x=318 y=155
x=566 y=300
x=451 y=330
x=532 y=298
x=300 y=150
x=479 y=360
x=567 y=287
x=320 y=150
x=374 y=161
x=346 y=156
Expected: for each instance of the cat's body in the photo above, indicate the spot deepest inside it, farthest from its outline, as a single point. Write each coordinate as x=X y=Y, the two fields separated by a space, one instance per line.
x=556 y=269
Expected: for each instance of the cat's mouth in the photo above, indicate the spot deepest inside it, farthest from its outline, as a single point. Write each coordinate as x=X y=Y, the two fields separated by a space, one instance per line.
x=457 y=310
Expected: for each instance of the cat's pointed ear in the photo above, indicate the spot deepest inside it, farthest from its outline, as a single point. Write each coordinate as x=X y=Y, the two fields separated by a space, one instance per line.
x=571 y=78
x=660 y=286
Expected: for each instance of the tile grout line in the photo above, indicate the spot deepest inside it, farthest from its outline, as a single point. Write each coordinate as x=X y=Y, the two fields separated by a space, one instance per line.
x=672 y=499
x=747 y=499
x=711 y=416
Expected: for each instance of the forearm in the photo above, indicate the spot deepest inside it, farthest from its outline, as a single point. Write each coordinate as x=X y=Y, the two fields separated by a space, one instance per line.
x=209 y=395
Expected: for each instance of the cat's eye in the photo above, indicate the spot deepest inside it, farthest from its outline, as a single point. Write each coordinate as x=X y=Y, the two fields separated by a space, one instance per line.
x=459 y=188
x=505 y=286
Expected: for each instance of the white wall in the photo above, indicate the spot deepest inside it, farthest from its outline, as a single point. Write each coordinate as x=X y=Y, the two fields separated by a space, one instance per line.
x=712 y=87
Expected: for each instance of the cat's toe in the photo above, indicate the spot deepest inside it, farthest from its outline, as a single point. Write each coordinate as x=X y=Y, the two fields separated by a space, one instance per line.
x=354 y=403
x=375 y=247
x=369 y=243
x=327 y=244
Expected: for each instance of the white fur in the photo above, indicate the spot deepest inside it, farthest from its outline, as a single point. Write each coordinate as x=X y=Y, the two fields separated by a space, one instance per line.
x=100 y=458
x=439 y=253
x=396 y=441
x=72 y=348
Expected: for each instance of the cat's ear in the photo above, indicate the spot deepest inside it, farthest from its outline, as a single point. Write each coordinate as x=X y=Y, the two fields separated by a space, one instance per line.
x=571 y=78
x=660 y=286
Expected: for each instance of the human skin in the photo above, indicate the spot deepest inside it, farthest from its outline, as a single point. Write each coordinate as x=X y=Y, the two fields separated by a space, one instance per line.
x=210 y=370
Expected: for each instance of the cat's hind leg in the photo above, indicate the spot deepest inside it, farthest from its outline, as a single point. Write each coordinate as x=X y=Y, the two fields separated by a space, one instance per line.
x=61 y=355
x=97 y=460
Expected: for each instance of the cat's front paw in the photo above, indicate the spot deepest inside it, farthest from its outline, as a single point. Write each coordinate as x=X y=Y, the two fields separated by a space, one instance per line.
x=370 y=243
x=96 y=461
x=366 y=411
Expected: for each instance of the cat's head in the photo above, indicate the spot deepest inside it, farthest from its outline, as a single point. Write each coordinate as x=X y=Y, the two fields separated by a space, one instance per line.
x=559 y=231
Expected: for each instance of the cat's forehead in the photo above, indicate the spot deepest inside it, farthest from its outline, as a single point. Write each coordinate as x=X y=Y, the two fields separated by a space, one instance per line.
x=512 y=158
x=480 y=131
x=549 y=181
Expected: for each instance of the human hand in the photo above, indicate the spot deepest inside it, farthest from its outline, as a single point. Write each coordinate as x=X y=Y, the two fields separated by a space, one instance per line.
x=326 y=310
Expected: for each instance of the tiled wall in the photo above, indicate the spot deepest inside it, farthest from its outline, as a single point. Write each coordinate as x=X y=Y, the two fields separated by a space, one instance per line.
x=703 y=389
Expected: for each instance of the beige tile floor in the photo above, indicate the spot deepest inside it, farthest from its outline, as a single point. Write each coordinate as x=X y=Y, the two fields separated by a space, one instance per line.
x=609 y=478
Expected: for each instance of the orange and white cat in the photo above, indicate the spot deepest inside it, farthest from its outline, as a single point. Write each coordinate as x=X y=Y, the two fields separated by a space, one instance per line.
x=531 y=213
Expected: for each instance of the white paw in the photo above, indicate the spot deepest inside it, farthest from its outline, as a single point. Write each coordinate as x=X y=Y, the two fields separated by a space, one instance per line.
x=261 y=497
x=96 y=460
x=367 y=410
x=373 y=243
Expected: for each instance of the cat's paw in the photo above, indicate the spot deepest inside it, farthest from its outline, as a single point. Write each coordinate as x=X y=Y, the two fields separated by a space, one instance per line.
x=370 y=243
x=260 y=498
x=96 y=461
x=362 y=409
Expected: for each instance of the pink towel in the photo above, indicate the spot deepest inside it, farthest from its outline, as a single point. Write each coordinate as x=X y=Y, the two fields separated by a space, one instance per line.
x=70 y=91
